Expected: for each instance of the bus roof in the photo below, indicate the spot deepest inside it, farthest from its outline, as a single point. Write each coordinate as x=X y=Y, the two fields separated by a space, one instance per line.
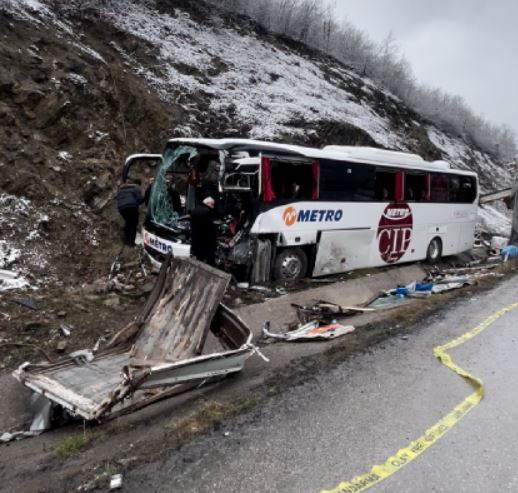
x=367 y=155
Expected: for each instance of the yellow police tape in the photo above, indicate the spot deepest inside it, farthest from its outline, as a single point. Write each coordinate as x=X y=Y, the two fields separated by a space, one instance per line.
x=431 y=435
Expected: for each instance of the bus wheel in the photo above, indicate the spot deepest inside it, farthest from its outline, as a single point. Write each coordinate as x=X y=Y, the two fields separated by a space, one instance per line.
x=434 y=251
x=290 y=264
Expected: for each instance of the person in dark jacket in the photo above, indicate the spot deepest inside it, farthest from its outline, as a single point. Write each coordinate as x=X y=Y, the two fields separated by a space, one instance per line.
x=129 y=199
x=204 y=232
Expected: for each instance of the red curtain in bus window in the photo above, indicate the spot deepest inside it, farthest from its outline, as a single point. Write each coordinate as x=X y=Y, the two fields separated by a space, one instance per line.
x=192 y=178
x=266 y=180
x=314 y=193
x=427 y=193
x=399 y=185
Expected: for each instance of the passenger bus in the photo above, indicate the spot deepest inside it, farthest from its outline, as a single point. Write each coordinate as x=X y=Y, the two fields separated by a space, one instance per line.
x=286 y=212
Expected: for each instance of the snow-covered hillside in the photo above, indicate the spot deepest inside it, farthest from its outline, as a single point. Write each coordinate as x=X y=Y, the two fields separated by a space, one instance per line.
x=265 y=85
x=124 y=75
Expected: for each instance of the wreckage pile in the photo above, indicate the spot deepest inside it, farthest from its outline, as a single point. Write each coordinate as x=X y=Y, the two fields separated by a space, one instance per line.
x=155 y=356
x=438 y=281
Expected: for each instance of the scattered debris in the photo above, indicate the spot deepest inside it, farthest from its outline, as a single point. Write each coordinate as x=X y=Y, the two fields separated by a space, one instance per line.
x=261 y=289
x=310 y=331
x=18 y=435
x=28 y=303
x=98 y=343
x=41 y=409
x=498 y=242
x=326 y=311
x=82 y=357
x=66 y=330
x=388 y=301
x=116 y=482
x=439 y=281
x=61 y=346
x=93 y=484
x=508 y=252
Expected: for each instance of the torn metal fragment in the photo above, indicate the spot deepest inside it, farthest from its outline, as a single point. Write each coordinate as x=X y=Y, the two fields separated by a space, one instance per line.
x=310 y=331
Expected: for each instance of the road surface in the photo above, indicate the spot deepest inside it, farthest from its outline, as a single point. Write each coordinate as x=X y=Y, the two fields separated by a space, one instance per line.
x=346 y=420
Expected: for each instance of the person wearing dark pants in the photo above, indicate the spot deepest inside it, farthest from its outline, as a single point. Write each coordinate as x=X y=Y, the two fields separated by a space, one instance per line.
x=204 y=232
x=129 y=199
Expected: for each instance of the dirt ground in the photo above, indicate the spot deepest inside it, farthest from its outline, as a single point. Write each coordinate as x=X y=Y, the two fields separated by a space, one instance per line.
x=78 y=455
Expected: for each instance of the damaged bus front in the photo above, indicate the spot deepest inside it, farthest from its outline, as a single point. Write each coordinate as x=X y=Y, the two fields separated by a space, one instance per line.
x=230 y=172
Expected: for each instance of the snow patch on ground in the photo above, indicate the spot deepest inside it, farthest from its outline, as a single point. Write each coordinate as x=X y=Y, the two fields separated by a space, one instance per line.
x=20 y=222
x=29 y=10
x=64 y=156
x=77 y=79
x=38 y=12
x=8 y=254
x=11 y=280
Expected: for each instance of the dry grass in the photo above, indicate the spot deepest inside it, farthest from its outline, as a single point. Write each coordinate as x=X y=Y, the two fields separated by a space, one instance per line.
x=207 y=416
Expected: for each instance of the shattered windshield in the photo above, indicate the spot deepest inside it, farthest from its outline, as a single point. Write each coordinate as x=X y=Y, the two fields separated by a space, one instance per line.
x=168 y=192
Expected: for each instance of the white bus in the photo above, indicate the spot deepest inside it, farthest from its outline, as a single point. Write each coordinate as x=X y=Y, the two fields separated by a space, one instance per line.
x=287 y=212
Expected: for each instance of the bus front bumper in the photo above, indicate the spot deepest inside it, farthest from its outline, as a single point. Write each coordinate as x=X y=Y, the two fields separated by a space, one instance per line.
x=157 y=248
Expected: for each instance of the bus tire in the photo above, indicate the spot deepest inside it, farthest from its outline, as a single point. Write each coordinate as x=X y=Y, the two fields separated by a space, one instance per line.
x=434 y=251
x=290 y=264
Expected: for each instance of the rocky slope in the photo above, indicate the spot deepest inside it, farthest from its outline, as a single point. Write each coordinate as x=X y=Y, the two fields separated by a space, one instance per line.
x=81 y=88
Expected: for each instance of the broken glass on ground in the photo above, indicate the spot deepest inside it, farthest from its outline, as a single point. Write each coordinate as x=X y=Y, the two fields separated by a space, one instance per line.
x=389 y=301
x=157 y=355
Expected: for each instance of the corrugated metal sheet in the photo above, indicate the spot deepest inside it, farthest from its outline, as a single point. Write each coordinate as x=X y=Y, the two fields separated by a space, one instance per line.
x=79 y=388
x=179 y=323
x=168 y=337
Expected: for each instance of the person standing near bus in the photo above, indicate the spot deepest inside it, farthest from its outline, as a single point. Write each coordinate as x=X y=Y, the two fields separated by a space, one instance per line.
x=204 y=232
x=129 y=198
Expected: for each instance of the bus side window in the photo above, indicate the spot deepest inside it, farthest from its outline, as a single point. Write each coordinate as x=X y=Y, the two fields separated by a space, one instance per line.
x=344 y=181
x=385 y=185
x=455 y=190
x=416 y=187
x=467 y=192
x=293 y=181
x=438 y=188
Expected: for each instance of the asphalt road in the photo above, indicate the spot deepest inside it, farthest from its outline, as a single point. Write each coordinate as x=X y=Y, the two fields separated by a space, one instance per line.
x=344 y=421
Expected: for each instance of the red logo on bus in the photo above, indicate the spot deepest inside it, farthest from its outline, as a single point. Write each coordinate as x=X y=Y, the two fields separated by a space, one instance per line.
x=395 y=232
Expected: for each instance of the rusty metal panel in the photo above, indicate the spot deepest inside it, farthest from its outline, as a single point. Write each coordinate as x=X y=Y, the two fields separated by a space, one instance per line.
x=176 y=320
x=80 y=388
x=178 y=325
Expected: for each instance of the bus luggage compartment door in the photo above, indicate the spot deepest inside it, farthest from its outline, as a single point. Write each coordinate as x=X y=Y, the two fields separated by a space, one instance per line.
x=343 y=250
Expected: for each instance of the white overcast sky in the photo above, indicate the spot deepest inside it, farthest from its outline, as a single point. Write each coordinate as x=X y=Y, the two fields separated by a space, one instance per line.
x=466 y=47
